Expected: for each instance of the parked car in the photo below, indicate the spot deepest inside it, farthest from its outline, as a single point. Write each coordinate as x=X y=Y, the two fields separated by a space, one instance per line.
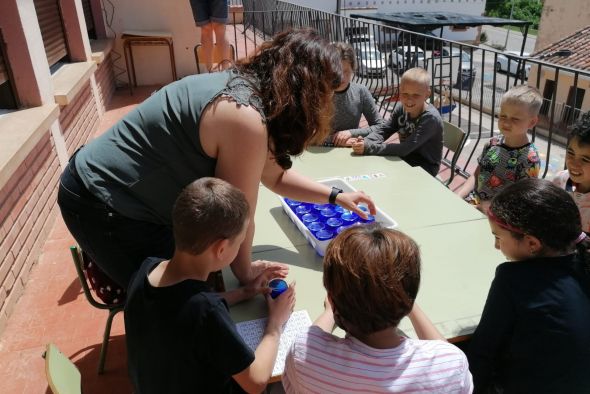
x=512 y=58
x=456 y=52
x=363 y=41
x=405 y=57
x=371 y=62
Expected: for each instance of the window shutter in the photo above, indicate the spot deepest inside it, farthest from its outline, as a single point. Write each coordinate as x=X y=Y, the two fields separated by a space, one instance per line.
x=88 y=15
x=50 y=23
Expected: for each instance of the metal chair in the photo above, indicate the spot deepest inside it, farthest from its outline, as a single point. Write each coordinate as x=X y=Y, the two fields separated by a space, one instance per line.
x=63 y=376
x=217 y=58
x=79 y=258
x=453 y=139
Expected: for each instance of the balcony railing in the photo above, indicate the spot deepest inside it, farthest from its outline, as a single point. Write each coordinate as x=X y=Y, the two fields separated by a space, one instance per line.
x=467 y=72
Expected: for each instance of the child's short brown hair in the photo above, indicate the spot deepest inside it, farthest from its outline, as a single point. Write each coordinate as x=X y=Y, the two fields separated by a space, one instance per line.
x=207 y=210
x=372 y=275
x=418 y=75
x=524 y=95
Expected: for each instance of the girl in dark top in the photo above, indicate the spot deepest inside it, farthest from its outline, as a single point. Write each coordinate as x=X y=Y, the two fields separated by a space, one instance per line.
x=534 y=333
x=241 y=125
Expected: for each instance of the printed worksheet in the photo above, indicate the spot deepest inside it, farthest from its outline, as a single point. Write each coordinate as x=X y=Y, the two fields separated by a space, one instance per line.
x=252 y=331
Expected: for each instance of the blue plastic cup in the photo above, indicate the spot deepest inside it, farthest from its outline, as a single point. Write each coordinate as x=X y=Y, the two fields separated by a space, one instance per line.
x=316 y=226
x=324 y=235
x=341 y=229
x=327 y=213
x=339 y=210
x=277 y=286
x=302 y=209
x=309 y=218
x=292 y=203
x=319 y=207
x=349 y=218
x=369 y=219
x=334 y=223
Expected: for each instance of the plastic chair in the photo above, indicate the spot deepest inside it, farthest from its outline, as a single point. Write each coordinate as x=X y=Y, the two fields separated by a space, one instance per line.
x=113 y=309
x=216 y=55
x=63 y=376
x=453 y=139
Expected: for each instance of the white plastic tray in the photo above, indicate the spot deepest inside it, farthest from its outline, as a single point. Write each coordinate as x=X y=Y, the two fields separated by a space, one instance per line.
x=321 y=245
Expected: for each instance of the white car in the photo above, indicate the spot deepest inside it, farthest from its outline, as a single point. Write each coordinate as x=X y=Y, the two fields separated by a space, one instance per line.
x=456 y=52
x=361 y=40
x=371 y=62
x=405 y=57
x=512 y=57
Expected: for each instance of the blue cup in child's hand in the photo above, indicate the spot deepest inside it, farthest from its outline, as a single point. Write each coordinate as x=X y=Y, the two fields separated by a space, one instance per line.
x=277 y=286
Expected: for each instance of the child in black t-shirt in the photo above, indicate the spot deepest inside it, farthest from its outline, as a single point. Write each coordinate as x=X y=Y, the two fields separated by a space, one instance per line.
x=180 y=336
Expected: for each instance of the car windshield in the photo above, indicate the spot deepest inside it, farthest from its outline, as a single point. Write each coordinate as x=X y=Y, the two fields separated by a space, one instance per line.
x=371 y=55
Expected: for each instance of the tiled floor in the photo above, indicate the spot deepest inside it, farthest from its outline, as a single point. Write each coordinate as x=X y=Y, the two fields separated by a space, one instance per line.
x=53 y=309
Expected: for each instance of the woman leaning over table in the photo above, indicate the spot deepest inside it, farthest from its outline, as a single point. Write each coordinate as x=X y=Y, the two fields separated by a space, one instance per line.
x=241 y=125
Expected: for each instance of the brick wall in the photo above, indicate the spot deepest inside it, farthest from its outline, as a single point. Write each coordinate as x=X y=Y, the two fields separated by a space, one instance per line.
x=79 y=119
x=27 y=214
x=105 y=81
x=28 y=206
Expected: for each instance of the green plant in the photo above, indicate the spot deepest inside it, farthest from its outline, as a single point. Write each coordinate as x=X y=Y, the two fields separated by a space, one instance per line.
x=525 y=10
x=483 y=37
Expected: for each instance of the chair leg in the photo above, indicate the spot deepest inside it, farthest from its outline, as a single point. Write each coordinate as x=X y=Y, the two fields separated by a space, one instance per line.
x=105 y=339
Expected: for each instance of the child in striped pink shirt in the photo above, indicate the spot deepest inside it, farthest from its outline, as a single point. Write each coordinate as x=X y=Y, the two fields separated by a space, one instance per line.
x=372 y=275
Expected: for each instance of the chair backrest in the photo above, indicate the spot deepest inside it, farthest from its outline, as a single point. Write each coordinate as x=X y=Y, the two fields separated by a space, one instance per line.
x=453 y=139
x=110 y=293
x=217 y=57
x=63 y=376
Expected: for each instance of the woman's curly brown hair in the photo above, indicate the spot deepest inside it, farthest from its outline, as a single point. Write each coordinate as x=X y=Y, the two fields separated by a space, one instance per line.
x=297 y=72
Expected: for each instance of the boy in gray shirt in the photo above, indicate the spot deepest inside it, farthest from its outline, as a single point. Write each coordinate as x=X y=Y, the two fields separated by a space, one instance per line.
x=418 y=124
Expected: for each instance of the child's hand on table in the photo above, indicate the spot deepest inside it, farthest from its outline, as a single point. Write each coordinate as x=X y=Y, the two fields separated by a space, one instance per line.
x=341 y=138
x=358 y=147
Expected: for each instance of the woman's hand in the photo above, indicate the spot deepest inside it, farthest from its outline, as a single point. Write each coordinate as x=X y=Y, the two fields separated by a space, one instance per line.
x=341 y=137
x=279 y=270
x=350 y=201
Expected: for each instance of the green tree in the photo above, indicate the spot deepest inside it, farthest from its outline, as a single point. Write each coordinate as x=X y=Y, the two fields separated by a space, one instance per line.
x=525 y=10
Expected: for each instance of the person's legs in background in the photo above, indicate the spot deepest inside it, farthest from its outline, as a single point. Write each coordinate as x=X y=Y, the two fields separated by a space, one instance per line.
x=211 y=17
x=221 y=43
x=207 y=45
x=218 y=16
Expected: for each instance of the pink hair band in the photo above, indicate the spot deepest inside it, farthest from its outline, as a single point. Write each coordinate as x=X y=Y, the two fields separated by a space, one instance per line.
x=502 y=223
x=581 y=237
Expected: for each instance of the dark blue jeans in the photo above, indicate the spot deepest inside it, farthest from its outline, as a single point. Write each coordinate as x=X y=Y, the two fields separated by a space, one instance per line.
x=117 y=244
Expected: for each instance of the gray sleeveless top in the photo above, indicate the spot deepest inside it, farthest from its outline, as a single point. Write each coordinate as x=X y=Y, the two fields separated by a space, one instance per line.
x=139 y=166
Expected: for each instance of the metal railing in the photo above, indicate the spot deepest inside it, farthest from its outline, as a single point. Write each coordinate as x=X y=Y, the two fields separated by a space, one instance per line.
x=466 y=71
